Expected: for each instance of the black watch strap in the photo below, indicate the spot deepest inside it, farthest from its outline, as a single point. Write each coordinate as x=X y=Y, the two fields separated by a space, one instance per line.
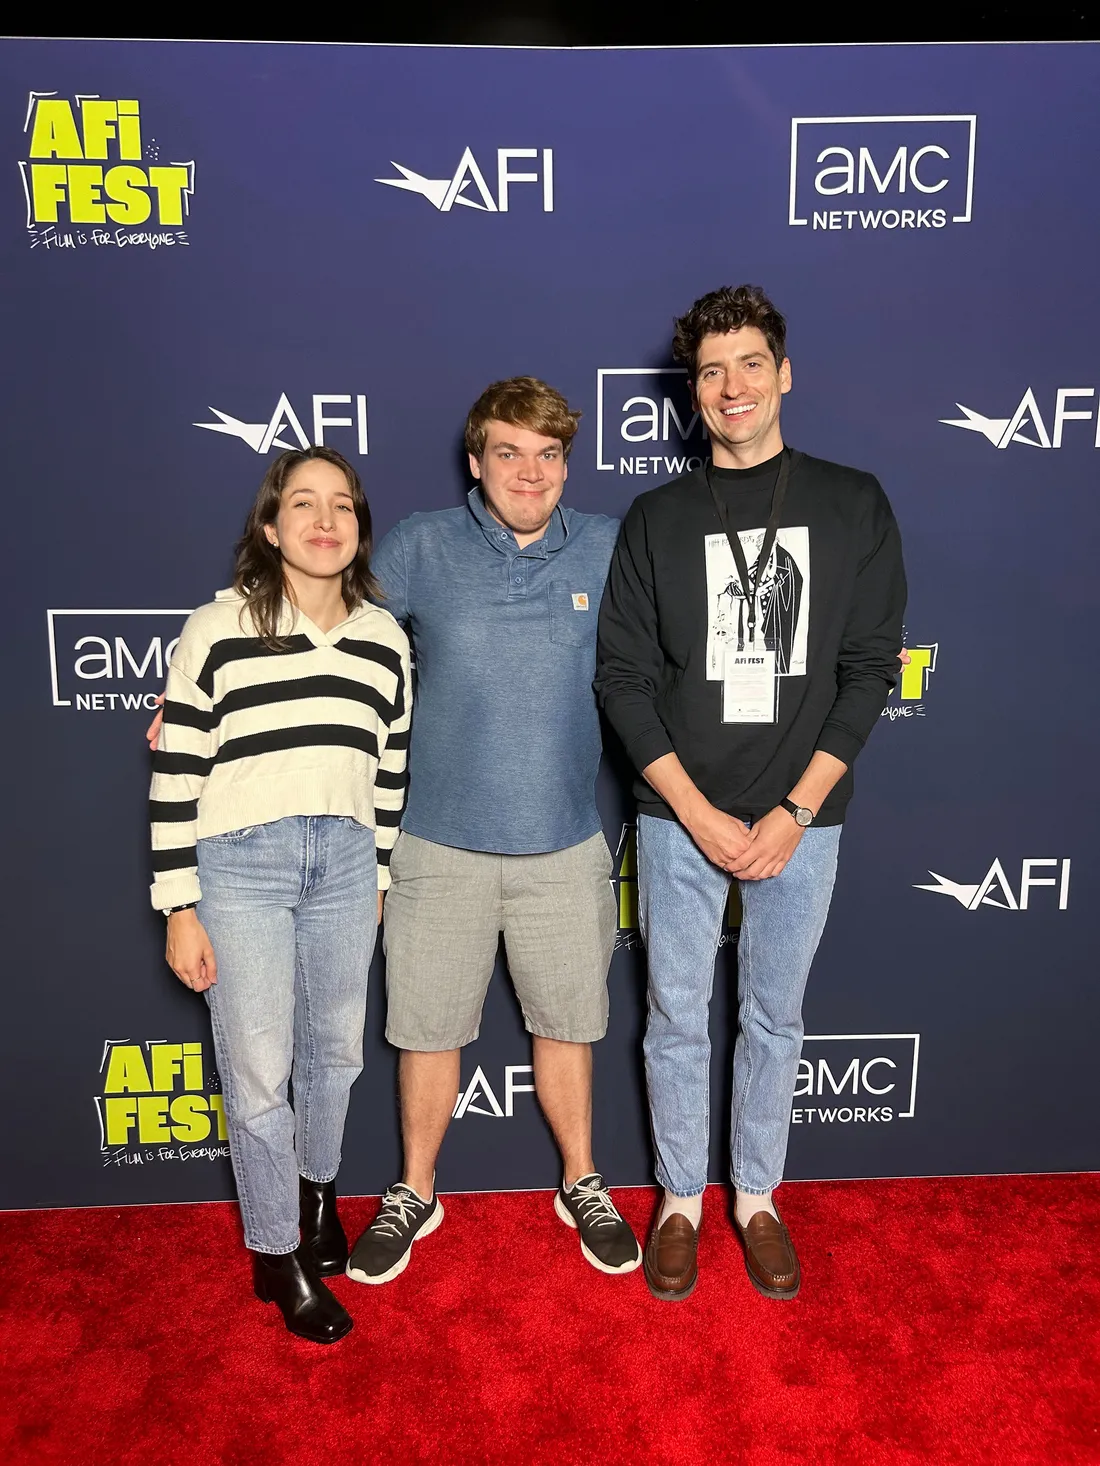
x=187 y=906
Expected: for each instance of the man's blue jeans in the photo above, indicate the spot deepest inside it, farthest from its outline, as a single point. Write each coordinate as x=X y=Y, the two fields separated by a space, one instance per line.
x=682 y=901
x=291 y=910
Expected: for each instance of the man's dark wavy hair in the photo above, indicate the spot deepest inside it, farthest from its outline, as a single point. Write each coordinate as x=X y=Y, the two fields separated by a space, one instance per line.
x=729 y=309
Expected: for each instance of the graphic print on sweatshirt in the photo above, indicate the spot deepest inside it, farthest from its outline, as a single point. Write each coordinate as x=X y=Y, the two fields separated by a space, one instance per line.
x=783 y=605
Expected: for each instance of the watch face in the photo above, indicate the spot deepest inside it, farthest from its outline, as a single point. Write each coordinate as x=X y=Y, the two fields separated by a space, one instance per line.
x=803 y=817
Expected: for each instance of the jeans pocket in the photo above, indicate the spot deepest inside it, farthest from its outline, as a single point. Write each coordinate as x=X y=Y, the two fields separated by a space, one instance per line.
x=232 y=837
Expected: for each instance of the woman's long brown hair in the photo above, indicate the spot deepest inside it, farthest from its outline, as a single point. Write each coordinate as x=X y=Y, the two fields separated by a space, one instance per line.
x=259 y=574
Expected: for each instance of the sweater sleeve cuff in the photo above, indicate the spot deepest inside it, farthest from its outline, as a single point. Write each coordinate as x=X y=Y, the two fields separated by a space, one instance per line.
x=840 y=742
x=649 y=747
x=178 y=889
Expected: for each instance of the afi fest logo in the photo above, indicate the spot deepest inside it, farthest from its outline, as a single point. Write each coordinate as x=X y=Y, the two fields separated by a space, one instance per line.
x=912 y=686
x=110 y=661
x=1027 y=425
x=887 y=173
x=285 y=424
x=645 y=423
x=856 y=1079
x=624 y=883
x=158 y=1103
x=995 y=888
x=90 y=178
x=469 y=187
x=479 y=1097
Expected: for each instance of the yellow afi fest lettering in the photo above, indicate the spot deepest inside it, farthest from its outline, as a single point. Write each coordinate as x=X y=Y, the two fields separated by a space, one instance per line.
x=914 y=677
x=143 y=1097
x=79 y=185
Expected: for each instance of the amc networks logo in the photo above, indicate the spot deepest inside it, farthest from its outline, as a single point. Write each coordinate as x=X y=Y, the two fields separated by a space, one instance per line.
x=89 y=169
x=624 y=882
x=157 y=1102
x=110 y=661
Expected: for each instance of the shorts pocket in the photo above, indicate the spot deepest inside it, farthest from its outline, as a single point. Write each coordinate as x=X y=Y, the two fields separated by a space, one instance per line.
x=573 y=611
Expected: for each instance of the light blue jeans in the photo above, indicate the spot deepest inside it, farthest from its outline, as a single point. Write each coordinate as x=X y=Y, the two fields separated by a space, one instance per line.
x=682 y=901
x=291 y=911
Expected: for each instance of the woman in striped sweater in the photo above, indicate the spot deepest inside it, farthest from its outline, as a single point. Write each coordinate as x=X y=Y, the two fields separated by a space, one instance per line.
x=278 y=783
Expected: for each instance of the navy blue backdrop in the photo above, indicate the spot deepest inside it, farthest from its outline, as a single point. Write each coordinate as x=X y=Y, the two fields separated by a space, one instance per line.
x=215 y=251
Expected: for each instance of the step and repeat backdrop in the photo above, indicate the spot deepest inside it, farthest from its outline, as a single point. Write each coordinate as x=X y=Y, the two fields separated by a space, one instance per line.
x=213 y=252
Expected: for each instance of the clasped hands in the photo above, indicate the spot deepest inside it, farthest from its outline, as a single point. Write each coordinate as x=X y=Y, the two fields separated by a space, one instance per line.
x=749 y=854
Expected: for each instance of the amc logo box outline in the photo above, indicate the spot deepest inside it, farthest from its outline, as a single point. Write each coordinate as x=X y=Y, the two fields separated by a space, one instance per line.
x=901 y=168
x=826 y=1103
x=662 y=435
x=135 y=676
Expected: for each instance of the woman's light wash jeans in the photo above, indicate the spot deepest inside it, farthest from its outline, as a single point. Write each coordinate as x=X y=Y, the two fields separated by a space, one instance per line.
x=291 y=911
x=682 y=901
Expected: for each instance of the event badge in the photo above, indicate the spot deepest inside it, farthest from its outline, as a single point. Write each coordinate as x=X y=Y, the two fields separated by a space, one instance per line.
x=748 y=683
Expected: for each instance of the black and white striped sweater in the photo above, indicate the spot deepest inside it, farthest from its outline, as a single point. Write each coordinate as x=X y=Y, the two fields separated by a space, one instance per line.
x=251 y=736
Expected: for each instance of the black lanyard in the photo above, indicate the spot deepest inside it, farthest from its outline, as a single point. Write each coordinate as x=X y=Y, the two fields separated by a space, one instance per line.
x=779 y=493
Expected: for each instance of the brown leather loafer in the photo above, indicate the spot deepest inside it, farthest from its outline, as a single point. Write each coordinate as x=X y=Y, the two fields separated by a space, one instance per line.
x=770 y=1258
x=671 y=1269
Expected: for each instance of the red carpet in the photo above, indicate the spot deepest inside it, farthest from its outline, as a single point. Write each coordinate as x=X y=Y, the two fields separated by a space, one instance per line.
x=939 y=1321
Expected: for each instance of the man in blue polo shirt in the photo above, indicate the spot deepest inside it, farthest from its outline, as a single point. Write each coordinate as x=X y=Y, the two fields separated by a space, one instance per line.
x=501 y=833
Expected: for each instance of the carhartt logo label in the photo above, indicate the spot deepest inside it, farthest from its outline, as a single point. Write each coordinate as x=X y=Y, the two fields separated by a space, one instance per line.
x=1027 y=425
x=470 y=187
x=995 y=888
x=580 y=601
x=882 y=173
x=284 y=429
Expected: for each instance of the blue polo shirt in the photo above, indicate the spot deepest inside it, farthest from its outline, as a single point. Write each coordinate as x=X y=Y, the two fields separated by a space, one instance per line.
x=505 y=732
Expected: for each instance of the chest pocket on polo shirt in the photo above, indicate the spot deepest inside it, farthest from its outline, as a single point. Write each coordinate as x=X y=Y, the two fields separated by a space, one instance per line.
x=573 y=611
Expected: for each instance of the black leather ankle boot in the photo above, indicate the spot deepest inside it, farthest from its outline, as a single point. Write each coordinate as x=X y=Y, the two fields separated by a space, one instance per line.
x=322 y=1234
x=309 y=1310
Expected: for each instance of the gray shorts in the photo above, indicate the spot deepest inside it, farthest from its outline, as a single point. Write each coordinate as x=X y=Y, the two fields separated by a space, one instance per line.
x=444 y=913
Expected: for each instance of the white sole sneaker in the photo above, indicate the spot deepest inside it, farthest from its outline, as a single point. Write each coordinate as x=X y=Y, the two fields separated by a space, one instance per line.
x=403 y=1261
x=589 y=1256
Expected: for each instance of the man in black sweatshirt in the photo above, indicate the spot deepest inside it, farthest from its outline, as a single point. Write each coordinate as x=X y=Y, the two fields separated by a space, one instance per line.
x=747 y=644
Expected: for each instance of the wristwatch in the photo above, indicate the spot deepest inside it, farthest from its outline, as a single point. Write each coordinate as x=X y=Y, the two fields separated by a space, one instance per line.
x=802 y=815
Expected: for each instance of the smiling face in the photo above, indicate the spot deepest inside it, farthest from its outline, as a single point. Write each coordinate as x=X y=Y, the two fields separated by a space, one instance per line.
x=522 y=475
x=316 y=529
x=737 y=390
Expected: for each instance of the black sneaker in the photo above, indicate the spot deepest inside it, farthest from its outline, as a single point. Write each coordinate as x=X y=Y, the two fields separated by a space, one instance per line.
x=383 y=1250
x=606 y=1240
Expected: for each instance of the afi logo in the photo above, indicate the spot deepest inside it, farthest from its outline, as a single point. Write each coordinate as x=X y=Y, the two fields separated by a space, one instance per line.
x=470 y=188
x=110 y=661
x=479 y=1093
x=1026 y=424
x=645 y=423
x=284 y=422
x=994 y=889
x=844 y=170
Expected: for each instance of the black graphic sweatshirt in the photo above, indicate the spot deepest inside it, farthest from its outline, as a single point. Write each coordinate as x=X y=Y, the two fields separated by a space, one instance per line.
x=831 y=604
